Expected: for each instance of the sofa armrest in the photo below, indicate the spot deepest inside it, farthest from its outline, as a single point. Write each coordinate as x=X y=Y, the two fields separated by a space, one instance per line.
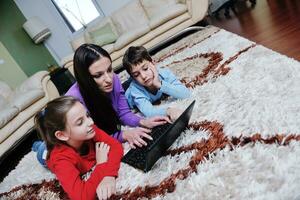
x=197 y=9
x=49 y=88
x=33 y=82
x=34 y=88
x=69 y=66
x=66 y=60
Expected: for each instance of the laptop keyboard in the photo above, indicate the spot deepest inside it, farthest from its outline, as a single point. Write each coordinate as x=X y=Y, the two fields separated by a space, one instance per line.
x=163 y=137
x=156 y=133
x=137 y=157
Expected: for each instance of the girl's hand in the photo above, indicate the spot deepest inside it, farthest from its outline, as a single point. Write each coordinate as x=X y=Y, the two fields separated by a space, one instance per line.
x=102 y=150
x=135 y=136
x=106 y=187
x=154 y=121
x=173 y=113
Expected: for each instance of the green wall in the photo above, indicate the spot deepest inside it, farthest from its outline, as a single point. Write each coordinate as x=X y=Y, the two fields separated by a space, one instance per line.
x=10 y=71
x=29 y=56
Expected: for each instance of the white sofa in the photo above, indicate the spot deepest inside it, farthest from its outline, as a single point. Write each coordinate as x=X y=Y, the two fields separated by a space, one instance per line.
x=142 y=22
x=18 y=107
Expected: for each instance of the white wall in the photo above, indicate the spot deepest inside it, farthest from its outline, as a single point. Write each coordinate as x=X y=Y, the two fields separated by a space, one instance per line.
x=58 y=43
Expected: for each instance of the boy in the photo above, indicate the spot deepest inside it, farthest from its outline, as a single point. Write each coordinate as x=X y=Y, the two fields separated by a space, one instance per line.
x=149 y=84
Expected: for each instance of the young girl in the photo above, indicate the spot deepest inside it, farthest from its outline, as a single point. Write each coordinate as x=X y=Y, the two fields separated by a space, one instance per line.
x=84 y=158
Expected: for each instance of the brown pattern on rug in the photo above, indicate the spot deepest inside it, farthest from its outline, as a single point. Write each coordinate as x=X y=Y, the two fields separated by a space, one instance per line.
x=189 y=66
x=44 y=190
x=218 y=140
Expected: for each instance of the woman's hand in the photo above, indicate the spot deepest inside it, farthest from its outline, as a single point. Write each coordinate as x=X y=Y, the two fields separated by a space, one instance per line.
x=154 y=121
x=106 y=187
x=135 y=136
x=173 y=113
x=102 y=150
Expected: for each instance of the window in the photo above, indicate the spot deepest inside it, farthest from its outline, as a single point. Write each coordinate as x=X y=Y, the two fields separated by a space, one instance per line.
x=77 y=13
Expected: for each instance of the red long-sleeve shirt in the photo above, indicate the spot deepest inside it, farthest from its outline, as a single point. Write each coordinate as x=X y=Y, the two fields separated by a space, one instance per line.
x=68 y=166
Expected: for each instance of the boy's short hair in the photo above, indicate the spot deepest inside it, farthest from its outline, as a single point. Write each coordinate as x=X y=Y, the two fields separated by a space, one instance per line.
x=135 y=55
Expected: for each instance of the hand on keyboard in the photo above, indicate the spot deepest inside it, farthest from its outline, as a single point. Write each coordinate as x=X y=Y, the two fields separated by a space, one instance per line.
x=135 y=136
x=173 y=113
x=154 y=121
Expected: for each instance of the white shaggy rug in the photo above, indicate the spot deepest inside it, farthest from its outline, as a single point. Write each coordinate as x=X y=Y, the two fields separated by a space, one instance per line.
x=243 y=139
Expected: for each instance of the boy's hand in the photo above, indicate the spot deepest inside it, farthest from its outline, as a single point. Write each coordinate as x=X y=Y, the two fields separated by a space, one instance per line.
x=135 y=136
x=102 y=150
x=156 y=81
x=154 y=121
x=106 y=187
x=173 y=113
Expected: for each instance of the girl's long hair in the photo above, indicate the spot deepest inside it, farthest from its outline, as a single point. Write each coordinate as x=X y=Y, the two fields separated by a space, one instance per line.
x=98 y=103
x=53 y=118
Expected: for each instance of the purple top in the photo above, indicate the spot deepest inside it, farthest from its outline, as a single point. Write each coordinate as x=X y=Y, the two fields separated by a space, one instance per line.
x=119 y=104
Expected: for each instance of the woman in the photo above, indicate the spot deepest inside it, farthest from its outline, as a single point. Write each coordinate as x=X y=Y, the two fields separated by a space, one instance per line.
x=100 y=90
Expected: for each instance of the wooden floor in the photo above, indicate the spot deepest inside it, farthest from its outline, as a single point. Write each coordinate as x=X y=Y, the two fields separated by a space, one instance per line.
x=272 y=23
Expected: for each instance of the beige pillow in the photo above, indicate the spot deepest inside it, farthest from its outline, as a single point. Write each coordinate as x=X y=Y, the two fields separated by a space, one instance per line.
x=152 y=6
x=129 y=17
x=103 y=35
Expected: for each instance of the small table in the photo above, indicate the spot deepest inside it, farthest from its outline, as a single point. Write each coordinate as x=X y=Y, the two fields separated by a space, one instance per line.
x=216 y=5
x=62 y=79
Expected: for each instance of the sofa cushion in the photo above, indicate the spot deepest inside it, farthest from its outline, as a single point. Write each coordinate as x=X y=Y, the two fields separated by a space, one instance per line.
x=103 y=35
x=109 y=48
x=7 y=111
x=23 y=121
x=151 y=7
x=77 y=41
x=163 y=15
x=32 y=83
x=3 y=102
x=100 y=23
x=129 y=17
x=24 y=99
x=130 y=36
x=5 y=90
x=7 y=114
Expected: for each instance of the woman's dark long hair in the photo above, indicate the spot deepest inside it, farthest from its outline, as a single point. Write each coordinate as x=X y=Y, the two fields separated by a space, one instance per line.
x=98 y=103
